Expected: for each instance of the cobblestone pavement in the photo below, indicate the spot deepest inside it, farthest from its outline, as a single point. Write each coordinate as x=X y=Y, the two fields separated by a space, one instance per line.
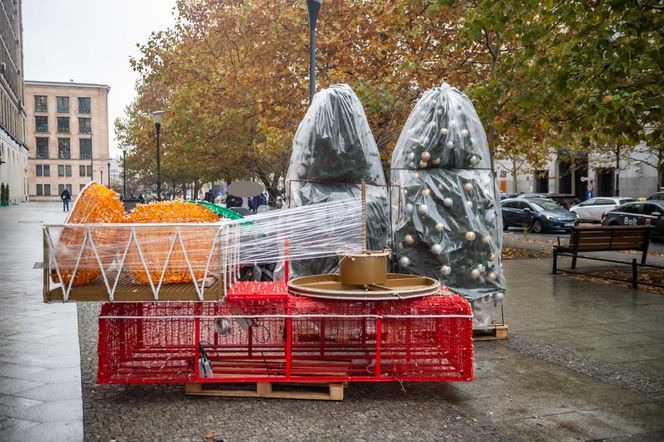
x=40 y=387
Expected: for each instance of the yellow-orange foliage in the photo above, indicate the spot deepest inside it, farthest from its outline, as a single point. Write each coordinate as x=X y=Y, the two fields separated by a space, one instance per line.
x=156 y=242
x=95 y=204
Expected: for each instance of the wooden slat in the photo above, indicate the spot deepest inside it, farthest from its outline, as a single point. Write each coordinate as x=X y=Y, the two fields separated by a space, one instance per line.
x=267 y=390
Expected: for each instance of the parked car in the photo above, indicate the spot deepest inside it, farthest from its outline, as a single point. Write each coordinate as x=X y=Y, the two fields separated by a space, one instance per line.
x=659 y=196
x=538 y=214
x=639 y=213
x=505 y=196
x=593 y=209
x=564 y=199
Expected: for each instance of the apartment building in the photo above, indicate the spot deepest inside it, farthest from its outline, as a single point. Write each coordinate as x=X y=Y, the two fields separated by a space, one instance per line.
x=13 y=148
x=67 y=137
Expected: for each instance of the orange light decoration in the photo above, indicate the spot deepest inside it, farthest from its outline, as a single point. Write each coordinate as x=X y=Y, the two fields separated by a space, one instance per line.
x=156 y=243
x=94 y=204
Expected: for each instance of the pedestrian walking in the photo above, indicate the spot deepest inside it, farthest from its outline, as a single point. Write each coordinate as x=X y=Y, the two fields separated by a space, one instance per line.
x=66 y=197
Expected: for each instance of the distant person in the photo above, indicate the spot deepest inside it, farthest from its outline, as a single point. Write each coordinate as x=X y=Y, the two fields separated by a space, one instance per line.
x=65 y=196
x=141 y=200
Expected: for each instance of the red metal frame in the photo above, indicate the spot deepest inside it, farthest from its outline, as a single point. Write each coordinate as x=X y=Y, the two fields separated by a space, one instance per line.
x=276 y=337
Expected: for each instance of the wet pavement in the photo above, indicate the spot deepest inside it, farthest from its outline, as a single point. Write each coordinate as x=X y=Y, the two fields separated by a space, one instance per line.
x=584 y=362
x=40 y=378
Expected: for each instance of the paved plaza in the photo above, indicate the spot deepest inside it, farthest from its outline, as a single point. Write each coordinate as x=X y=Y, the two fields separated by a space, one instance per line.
x=584 y=362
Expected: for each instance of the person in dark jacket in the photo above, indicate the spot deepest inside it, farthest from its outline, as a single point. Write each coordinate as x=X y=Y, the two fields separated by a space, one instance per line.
x=65 y=196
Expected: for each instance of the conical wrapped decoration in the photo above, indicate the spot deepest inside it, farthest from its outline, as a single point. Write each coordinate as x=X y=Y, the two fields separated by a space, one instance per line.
x=94 y=204
x=448 y=225
x=157 y=243
x=333 y=153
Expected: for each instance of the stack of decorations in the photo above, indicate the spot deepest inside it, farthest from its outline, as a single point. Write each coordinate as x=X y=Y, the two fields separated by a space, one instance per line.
x=333 y=153
x=449 y=224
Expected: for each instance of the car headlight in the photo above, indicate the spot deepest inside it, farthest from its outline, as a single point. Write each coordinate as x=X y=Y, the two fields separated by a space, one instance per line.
x=548 y=216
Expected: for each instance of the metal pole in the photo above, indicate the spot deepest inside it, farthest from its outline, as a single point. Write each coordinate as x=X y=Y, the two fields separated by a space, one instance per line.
x=313 y=6
x=102 y=177
x=124 y=176
x=617 y=171
x=158 y=126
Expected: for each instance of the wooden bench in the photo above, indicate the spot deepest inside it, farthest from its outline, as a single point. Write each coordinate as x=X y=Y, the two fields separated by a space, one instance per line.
x=605 y=239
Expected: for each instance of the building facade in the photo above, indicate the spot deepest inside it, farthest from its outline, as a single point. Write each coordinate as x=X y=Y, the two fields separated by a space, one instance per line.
x=67 y=137
x=629 y=173
x=13 y=148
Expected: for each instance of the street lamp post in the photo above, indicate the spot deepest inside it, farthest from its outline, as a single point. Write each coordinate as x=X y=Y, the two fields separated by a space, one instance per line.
x=124 y=174
x=617 y=171
x=157 y=117
x=313 y=6
x=102 y=177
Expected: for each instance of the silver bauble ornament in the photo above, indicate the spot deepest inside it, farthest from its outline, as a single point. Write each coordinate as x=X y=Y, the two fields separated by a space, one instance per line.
x=468 y=187
x=469 y=204
x=422 y=209
x=409 y=208
x=486 y=239
x=473 y=160
x=491 y=276
x=491 y=256
x=445 y=270
x=441 y=187
x=444 y=131
x=481 y=268
x=426 y=192
x=426 y=140
x=409 y=240
x=475 y=273
x=447 y=202
x=490 y=216
x=464 y=132
x=436 y=161
x=411 y=156
x=498 y=297
x=404 y=261
x=432 y=125
x=423 y=164
x=436 y=249
x=470 y=236
x=439 y=227
x=426 y=156
x=450 y=145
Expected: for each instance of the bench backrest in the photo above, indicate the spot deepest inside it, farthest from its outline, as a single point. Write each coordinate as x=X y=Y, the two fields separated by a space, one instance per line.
x=606 y=238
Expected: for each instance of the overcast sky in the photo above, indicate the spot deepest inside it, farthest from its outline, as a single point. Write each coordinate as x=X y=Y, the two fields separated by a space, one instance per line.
x=90 y=41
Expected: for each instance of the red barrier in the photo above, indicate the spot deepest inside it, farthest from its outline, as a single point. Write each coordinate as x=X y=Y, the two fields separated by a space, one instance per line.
x=269 y=337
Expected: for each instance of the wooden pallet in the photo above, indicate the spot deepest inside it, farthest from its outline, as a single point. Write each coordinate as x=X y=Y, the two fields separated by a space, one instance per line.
x=496 y=332
x=273 y=390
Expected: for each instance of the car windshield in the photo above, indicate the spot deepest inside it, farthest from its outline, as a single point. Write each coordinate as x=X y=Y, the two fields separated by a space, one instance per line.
x=626 y=200
x=546 y=204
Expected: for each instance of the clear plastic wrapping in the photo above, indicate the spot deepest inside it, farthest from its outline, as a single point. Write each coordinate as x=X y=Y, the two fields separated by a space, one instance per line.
x=448 y=224
x=333 y=153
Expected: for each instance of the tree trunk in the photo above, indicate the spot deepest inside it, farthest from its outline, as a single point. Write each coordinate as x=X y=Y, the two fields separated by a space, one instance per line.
x=515 y=171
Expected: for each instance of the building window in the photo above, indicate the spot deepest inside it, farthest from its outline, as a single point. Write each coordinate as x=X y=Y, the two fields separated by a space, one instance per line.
x=47 y=170
x=42 y=148
x=47 y=189
x=41 y=124
x=62 y=105
x=85 y=148
x=39 y=170
x=83 y=105
x=40 y=191
x=64 y=149
x=84 y=125
x=63 y=125
x=61 y=170
x=41 y=103
x=61 y=188
x=90 y=171
x=68 y=170
x=81 y=171
x=81 y=188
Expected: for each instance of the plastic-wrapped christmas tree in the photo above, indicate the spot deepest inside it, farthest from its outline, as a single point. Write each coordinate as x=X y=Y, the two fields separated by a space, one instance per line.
x=333 y=152
x=448 y=223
